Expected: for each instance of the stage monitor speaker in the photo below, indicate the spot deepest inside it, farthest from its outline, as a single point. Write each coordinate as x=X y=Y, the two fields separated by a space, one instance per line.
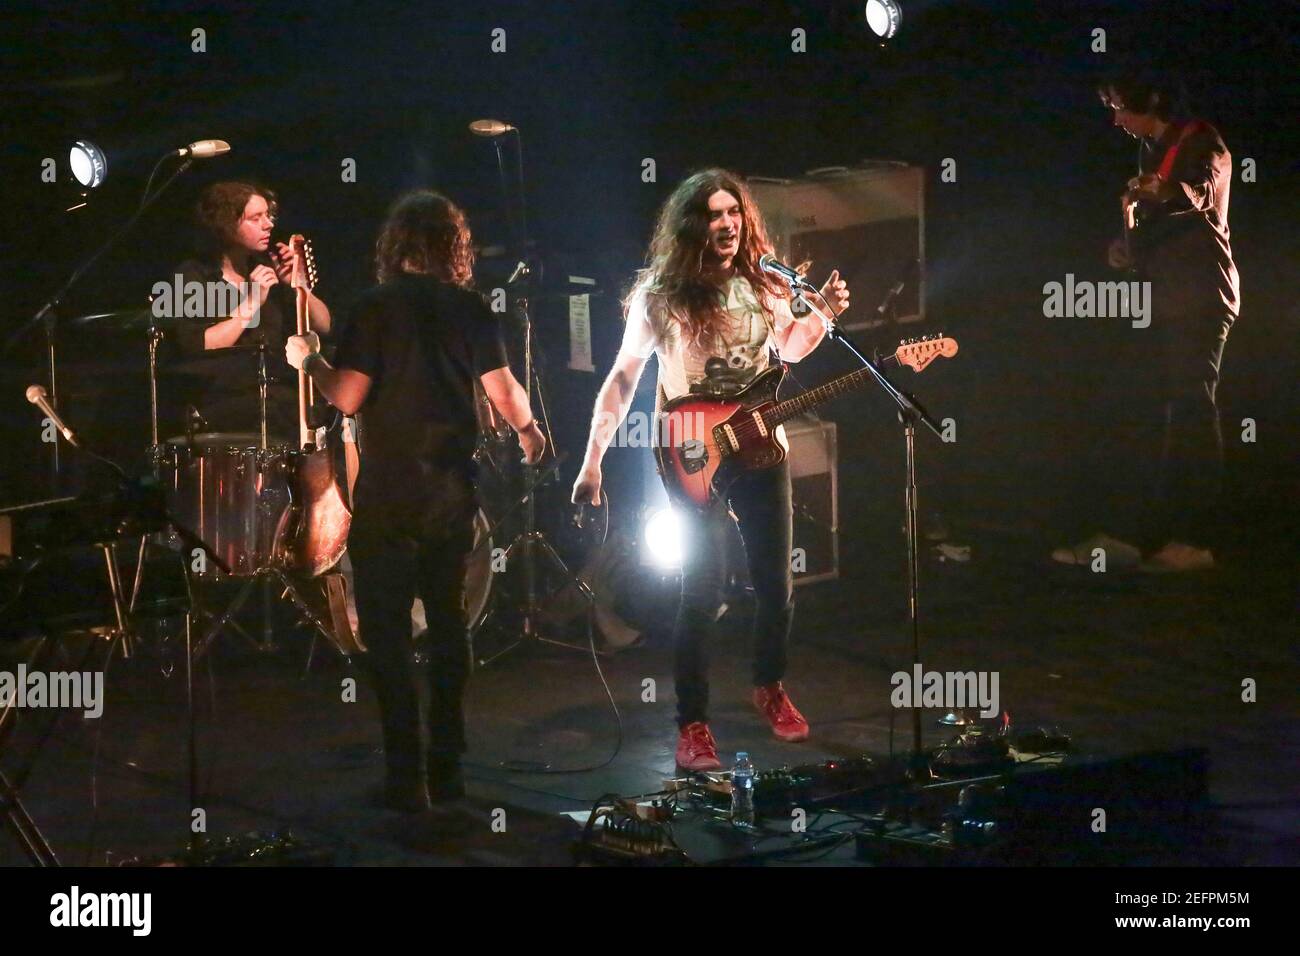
x=868 y=222
x=815 y=492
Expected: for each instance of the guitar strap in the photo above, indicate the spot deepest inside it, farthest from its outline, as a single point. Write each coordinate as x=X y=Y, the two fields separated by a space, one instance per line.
x=1171 y=154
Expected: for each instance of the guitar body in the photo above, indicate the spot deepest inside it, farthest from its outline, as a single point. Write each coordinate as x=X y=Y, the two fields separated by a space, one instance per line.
x=704 y=443
x=318 y=520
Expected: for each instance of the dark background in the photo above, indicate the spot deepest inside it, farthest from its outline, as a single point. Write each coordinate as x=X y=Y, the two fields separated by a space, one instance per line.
x=1048 y=410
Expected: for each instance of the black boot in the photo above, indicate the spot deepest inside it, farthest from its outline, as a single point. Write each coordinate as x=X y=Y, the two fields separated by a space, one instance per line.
x=445 y=779
x=403 y=794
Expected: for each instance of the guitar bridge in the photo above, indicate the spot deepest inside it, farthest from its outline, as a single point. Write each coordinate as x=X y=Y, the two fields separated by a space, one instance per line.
x=694 y=456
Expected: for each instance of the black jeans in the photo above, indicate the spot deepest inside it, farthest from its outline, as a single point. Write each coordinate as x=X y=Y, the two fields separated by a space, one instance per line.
x=761 y=503
x=1185 y=471
x=390 y=569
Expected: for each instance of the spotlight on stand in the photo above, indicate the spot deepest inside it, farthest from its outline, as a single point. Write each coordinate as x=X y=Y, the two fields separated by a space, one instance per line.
x=663 y=539
x=884 y=17
x=89 y=167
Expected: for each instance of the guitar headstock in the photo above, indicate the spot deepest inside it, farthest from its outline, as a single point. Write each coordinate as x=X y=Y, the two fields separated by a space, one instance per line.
x=918 y=353
x=304 y=270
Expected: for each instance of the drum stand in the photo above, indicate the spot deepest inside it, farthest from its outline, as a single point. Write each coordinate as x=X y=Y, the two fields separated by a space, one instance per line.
x=291 y=590
x=530 y=540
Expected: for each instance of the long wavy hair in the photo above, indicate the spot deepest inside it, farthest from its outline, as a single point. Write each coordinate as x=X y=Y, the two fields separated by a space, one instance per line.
x=426 y=232
x=675 y=263
x=218 y=212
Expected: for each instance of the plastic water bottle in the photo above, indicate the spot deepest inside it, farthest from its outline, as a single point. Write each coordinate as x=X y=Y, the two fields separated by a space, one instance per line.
x=742 y=791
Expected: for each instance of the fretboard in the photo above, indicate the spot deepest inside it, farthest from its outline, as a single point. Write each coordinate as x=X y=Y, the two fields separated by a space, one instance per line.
x=783 y=411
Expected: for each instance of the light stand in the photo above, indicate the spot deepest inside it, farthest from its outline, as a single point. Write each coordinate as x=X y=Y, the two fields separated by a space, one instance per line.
x=530 y=539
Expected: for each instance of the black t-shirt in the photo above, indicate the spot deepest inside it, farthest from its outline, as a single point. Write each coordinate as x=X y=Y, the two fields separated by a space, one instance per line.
x=423 y=343
x=222 y=383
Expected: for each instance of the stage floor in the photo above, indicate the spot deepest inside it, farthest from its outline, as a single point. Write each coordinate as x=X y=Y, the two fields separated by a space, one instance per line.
x=1123 y=663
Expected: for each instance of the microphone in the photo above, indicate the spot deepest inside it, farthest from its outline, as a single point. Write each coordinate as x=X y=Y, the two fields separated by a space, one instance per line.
x=205 y=149
x=770 y=263
x=36 y=395
x=489 y=127
x=894 y=291
x=897 y=288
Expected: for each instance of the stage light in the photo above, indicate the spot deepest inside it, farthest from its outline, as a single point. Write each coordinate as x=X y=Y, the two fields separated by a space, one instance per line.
x=884 y=17
x=89 y=167
x=663 y=538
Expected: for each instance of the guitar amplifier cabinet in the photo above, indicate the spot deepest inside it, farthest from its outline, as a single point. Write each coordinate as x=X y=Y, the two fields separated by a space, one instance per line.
x=815 y=488
x=868 y=222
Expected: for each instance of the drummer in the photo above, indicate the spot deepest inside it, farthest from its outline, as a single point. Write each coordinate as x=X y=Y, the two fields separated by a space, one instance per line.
x=235 y=263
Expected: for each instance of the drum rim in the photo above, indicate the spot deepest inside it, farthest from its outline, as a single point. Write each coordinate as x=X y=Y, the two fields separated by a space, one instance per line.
x=204 y=441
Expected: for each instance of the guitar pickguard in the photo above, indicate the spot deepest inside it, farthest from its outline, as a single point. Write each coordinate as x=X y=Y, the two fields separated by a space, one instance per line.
x=706 y=442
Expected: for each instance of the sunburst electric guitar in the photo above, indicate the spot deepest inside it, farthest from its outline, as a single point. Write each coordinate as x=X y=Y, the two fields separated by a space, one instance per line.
x=705 y=442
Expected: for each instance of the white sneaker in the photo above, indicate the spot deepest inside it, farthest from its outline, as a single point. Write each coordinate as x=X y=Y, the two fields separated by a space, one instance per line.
x=1176 y=558
x=1119 y=554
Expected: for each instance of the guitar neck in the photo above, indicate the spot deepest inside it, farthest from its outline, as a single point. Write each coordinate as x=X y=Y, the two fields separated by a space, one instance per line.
x=783 y=411
x=306 y=398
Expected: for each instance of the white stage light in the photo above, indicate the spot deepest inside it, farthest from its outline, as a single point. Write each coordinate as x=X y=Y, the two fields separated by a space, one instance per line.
x=663 y=538
x=89 y=167
x=884 y=17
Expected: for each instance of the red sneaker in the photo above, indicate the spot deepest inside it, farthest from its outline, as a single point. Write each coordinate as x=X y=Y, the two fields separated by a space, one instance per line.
x=696 y=748
x=774 y=703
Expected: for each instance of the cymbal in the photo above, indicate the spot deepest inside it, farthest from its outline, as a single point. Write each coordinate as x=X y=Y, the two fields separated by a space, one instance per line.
x=131 y=320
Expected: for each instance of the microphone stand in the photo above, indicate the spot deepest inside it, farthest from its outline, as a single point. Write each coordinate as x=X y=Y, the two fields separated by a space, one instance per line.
x=909 y=413
x=530 y=539
x=46 y=313
x=150 y=510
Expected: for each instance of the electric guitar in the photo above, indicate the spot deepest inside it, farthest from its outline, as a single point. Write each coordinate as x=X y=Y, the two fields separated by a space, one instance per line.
x=317 y=523
x=704 y=442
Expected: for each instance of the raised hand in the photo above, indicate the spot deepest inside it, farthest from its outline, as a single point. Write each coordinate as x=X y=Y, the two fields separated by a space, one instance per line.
x=836 y=292
x=286 y=258
x=262 y=277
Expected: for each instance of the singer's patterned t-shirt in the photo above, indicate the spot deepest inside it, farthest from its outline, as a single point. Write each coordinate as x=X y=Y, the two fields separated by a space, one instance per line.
x=743 y=342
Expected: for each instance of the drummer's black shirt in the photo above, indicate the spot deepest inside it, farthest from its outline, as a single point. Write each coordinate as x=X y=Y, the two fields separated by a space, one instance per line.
x=423 y=343
x=222 y=383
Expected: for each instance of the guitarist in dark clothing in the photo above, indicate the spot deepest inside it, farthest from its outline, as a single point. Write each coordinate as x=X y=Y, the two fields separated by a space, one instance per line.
x=709 y=313
x=1179 y=242
x=408 y=358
